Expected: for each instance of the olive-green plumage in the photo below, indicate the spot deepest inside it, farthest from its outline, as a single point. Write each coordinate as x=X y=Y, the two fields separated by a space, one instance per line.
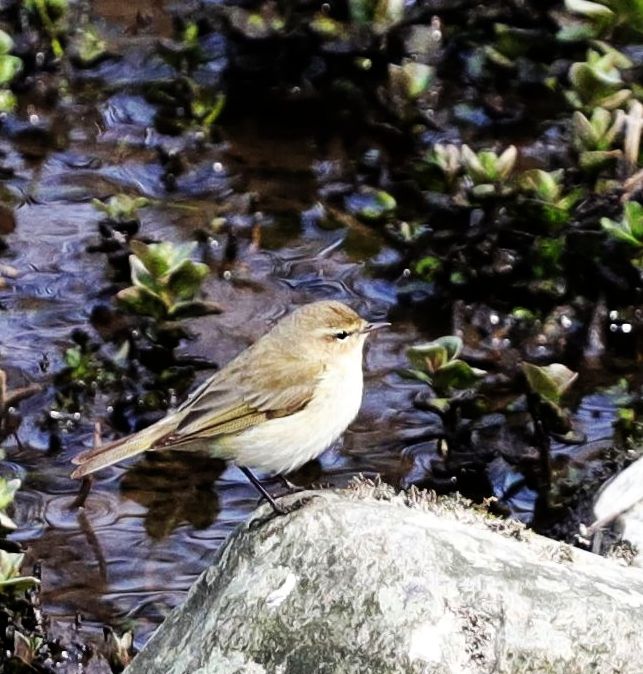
x=278 y=404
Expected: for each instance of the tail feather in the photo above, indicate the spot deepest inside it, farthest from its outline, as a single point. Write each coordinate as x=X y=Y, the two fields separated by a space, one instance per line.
x=101 y=457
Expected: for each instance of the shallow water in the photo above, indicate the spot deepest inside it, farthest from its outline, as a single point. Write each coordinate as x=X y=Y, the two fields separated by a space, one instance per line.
x=149 y=528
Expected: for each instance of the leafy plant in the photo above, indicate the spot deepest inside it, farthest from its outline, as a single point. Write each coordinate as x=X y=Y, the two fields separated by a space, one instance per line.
x=549 y=382
x=87 y=47
x=8 y=489
x=547 y=385
x=52 y=15
x=630 y=228
x=437 y=364
x=10 y=563
x=121 y=208
x=594 y=138
x=186 y=102
x=206 y=106
x=10 y=576
x=166 y=282
x=547 y=195
x=380 y=15
x=10 y=66
x=371 y=204
x=120 y=648
x=447 y=158
x=597 y=81
x=590 y=20
x=510 y=43
x=487 y=170
x=84 y=365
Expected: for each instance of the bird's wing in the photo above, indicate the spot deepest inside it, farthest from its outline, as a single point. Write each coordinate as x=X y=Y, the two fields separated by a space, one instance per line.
x=240 y=397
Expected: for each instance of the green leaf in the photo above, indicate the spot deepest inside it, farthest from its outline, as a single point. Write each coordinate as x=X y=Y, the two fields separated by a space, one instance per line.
x=143 y=302
x=10 y=66
x=633 y=216
x=121 y=207
x=429 y=357
x=615 y=100
x=506 y=162
x=594 y=160
x=438 y=405
x=592 y=10
x=184 y=280
x=447 y=158
x=428 y=266
x=18 y=584
x=432 y=356
x=8 y=101
x=8 y=489
x=88 y=46
x=452 y=344
x=160 y=258
x=483 y=190
x=387 y=13
x=6 y=522
x=550 y=381
x=361 y=11
x=620 y=231
x=6 y=42
x=370 y=204
x=73 y=357
x=326 y=27
x=545 y=185
x=410 y=373
x=418 y=78
x=457 y=374
x=141 y=277
x=523 y=314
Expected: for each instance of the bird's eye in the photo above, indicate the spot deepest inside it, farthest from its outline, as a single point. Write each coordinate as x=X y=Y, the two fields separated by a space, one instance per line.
x=342 y=335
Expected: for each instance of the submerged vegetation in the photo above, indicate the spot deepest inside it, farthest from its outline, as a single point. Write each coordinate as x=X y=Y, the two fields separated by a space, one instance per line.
x=481 y=161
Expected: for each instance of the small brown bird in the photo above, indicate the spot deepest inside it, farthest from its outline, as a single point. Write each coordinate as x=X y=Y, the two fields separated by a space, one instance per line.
x=277 y=405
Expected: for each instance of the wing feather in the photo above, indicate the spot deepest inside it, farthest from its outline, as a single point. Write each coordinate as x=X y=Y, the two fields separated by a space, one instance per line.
x=244 y=398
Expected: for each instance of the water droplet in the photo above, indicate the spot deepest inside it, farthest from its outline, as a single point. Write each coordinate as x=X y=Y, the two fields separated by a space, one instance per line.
x=227 y=275
x=613 y=315
x=217 y=167
x=494 y=319
x=34 y=119
x=613 y=327
x=626 y=328
x=566 y=322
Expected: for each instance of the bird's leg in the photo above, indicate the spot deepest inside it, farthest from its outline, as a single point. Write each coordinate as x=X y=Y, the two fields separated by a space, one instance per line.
x=86 y=484
x=83 y=492
x=262 y=490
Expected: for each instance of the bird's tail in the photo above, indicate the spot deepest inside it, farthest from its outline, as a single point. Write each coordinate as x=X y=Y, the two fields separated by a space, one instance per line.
x=94 y=459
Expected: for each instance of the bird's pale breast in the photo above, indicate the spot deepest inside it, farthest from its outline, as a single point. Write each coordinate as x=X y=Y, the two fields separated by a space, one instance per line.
x=284 y=444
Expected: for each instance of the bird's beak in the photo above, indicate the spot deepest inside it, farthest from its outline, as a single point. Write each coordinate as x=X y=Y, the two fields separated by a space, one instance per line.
x=371 y=327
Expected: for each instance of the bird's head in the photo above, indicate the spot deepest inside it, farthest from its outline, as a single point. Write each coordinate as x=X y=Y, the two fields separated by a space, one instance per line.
x=327 y=328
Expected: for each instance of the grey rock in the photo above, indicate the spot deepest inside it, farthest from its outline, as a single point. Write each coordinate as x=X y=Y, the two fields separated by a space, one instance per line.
x=367 y=582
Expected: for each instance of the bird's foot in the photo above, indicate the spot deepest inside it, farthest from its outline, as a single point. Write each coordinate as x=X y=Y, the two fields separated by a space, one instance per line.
x=280 y=510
